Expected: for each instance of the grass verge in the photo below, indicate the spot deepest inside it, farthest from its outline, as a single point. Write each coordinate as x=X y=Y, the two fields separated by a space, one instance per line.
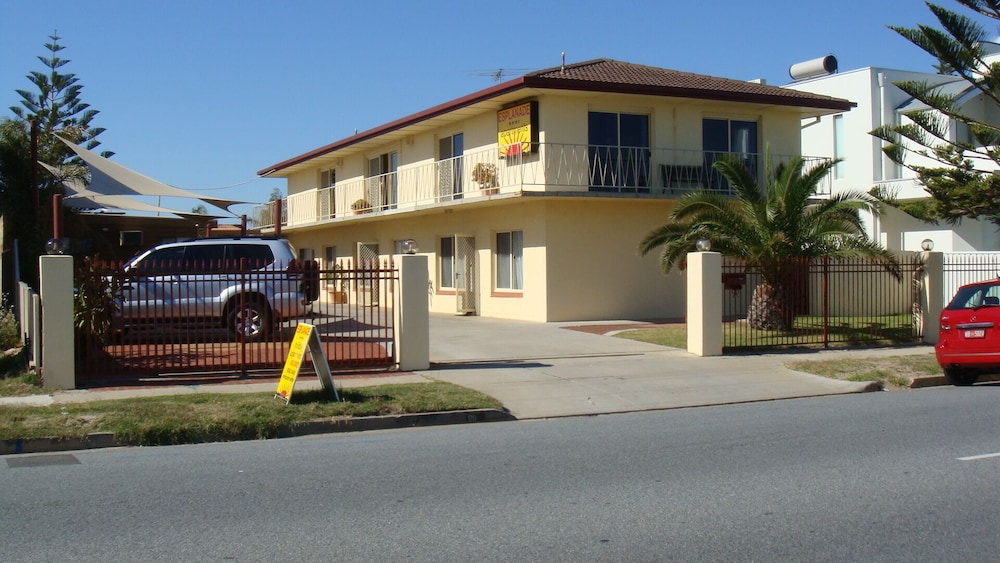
x=21 y=385
x=891 y=372
x=202 y=417
x=15 y=379
x=806 y=333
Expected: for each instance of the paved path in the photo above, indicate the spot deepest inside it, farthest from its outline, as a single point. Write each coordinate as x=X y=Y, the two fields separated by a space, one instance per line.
x=545 y=370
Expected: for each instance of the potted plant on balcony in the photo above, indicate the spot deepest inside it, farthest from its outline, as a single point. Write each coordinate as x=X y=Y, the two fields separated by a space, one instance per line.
x=485 y=175
x=361 y=206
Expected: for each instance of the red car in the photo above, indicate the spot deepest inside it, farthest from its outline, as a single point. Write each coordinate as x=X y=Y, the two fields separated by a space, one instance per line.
x=969 y=339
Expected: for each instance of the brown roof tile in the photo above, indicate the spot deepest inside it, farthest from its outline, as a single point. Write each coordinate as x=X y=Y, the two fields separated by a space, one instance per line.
x=617 y=76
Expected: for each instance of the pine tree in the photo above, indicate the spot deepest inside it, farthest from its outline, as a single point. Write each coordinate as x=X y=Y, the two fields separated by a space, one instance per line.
x=55 y=109
x=956 y=170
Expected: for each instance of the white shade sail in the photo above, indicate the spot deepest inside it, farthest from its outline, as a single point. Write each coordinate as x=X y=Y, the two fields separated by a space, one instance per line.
x=78 y=197
x=109 y=178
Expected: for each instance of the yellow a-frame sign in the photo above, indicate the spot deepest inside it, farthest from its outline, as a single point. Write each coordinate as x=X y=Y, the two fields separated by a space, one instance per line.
x=305 y=337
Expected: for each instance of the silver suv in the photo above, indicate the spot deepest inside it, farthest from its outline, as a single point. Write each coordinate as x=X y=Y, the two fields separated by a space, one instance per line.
x=246 y=284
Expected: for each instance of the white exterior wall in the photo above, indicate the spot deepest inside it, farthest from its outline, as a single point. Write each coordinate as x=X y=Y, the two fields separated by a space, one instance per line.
x=865 y=165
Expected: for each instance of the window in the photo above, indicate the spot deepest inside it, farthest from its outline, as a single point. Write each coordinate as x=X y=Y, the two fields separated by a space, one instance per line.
x=510 y=258
x=725 y=136
x=163 y=261
x=450 y=149
x=382 y=192
x=252 y=256
x=447 y=263
x=974 y=297
x=399 y=246
x=306 y=254
x=330 y=263
x=618 y=151
x=327 y=181
x=130 y=238
x=328 y=178
x=839 y=138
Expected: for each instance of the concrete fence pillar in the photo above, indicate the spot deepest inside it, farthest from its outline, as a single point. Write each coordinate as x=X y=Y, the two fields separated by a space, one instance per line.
x=412 y=314
x=932 y=297
x=58 y=340
x=704 y=303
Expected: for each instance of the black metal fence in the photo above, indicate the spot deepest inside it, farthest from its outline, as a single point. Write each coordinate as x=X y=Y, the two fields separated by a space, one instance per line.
x=229 y=320
x=825 y=302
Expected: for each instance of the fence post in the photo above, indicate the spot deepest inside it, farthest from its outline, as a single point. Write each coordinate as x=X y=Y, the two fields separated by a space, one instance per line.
x=932 y=297
x=704 y=303
x=58 y=342
x=412 y=314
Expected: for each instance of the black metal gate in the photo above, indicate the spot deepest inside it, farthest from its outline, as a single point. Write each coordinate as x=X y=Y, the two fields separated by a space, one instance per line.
x=175 y=338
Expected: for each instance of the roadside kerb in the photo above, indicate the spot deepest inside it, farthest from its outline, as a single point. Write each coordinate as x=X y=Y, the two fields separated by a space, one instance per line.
x=341 y=425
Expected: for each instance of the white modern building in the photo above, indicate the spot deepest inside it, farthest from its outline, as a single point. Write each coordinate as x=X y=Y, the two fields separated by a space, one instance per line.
x=846 y=136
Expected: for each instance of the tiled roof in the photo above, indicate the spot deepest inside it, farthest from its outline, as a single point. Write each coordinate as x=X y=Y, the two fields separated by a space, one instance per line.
x=618 y=76
x=601 y=75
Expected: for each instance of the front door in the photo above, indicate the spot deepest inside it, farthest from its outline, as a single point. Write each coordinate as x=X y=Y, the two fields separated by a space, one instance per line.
x=465 y=273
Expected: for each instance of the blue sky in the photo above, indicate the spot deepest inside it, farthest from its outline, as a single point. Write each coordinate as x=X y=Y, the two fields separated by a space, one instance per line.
x=201 y=94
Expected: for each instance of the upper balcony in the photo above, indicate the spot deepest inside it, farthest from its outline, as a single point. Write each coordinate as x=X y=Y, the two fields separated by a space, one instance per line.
x=549 y=168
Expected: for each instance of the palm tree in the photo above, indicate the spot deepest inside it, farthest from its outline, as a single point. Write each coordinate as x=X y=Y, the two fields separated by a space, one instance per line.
x=774 y=228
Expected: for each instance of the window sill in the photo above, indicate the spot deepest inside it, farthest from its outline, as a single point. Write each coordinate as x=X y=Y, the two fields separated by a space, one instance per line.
x=507 y=294
x=445 y=292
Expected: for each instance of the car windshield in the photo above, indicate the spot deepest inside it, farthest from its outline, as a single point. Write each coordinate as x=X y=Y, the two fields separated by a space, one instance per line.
x=975 y=296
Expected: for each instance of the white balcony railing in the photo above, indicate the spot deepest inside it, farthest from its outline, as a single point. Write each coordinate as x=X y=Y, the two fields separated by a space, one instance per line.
x=482 y=174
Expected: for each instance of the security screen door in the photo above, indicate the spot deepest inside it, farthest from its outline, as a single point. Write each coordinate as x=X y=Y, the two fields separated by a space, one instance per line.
x=368 y=284
x=465 y=273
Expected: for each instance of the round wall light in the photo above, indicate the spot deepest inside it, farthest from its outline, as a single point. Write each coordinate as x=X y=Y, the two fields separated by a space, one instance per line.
x=55 y=246
x=927 y=244
x=703 y=245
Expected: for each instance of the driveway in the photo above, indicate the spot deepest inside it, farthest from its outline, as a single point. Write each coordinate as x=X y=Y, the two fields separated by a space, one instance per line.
x=542 y=370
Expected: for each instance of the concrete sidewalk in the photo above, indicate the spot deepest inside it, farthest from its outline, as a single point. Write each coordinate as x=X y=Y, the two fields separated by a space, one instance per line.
x=546 y=370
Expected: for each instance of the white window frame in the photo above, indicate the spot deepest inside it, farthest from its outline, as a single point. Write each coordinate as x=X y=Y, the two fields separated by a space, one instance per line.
x=446 y=281
x=509 y=268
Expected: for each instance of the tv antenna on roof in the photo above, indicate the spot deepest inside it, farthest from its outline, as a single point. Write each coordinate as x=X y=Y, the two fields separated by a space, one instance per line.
x=500 y=73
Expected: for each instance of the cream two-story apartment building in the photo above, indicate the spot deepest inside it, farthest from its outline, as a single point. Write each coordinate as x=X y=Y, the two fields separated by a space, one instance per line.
x=531 y=196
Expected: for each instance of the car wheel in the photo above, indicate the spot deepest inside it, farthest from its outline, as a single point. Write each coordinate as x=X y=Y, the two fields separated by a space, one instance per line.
x=249 y=319
x=961 y=377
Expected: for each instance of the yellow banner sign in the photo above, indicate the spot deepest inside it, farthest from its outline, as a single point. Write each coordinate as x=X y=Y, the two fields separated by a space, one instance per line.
x=293 y=362
x=517 y=129
x=305 y=338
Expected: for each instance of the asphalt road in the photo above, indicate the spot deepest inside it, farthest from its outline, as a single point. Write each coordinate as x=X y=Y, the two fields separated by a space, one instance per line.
x=869 y=477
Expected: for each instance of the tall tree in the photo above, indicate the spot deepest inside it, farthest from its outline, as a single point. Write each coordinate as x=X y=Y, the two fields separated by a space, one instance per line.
x=56 y=108
x=957 y=170
x=771 y=227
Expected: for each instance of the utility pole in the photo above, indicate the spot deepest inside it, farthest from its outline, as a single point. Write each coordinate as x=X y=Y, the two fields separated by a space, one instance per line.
x=34 y=164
